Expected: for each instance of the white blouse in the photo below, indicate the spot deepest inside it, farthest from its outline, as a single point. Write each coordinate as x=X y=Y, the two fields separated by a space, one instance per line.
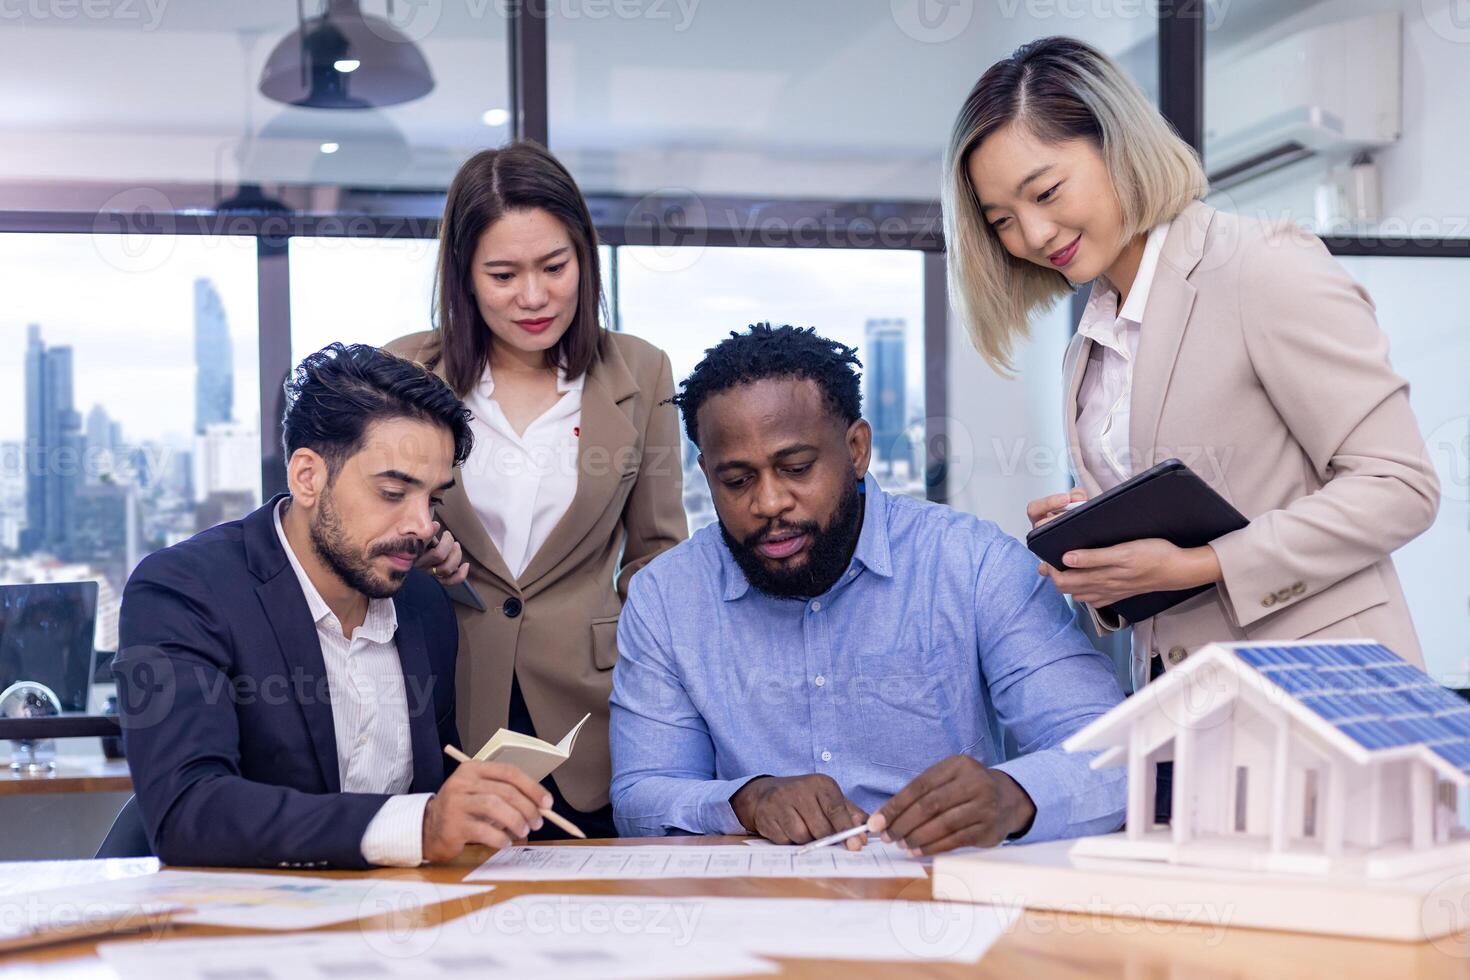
x=1103 y=400
x=522 y=485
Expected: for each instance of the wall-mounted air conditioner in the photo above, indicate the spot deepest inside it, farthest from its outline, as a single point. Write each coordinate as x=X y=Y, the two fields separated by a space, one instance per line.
x=1332 y=90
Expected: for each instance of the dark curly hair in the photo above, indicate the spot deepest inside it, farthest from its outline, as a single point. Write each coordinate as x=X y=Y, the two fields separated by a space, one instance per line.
x=764 y=351
x=336 y=393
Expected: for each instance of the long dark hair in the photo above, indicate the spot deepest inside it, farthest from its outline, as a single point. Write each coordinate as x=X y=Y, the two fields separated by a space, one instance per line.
x=518 y=176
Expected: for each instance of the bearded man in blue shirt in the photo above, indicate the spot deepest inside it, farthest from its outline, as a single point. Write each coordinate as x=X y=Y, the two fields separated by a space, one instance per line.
x=828 y=651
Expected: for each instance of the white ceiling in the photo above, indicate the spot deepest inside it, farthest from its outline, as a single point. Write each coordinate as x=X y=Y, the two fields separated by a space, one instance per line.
x=719 y=95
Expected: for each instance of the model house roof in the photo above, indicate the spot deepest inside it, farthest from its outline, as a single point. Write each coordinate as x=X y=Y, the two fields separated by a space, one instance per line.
x=1357 y=695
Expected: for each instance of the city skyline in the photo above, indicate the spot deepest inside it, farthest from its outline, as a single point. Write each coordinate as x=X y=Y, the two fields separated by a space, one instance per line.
x=97 y=467
x=131 y=330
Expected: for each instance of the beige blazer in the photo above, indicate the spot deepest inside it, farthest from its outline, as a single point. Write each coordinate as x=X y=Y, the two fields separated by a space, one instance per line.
x=1260 y=365
x=556 y=628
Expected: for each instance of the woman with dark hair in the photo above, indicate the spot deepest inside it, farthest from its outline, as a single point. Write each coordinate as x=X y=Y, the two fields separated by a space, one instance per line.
x=575 y=480
x=1241 y=347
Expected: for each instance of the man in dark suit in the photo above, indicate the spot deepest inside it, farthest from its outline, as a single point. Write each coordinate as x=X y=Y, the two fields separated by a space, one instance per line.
x=286 y=681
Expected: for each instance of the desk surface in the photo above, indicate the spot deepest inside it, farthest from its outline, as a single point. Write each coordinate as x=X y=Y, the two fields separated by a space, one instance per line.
x=80 y=775
x=1041 y=945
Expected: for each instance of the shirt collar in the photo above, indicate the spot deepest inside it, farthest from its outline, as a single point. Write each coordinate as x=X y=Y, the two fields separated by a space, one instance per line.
x=872 y=551
x=381 y=622
x=486 y=387
x=1099 y=318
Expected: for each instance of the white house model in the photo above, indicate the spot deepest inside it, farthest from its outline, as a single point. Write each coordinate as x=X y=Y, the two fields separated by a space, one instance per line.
x=1321 y=758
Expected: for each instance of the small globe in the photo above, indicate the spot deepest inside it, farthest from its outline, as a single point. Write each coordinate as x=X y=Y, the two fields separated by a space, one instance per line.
x=28 y=699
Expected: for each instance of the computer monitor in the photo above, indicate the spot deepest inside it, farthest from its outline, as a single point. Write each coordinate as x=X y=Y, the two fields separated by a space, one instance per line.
x=46 y=632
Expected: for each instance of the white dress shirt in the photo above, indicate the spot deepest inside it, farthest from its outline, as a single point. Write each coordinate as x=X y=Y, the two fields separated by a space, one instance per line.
x=1103 y=400
x=522 y=485
x=370 y=719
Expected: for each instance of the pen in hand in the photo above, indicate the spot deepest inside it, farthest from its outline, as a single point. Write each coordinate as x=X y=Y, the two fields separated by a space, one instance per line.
x=546 y=812
x=837 y=838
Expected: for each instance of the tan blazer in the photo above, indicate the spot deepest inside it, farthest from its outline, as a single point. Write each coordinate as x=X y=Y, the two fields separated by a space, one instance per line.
x=559 y=635
x=1260 y=365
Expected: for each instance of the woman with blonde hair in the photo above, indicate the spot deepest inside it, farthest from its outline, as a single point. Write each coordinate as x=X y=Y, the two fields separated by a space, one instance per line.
x=1241 y=347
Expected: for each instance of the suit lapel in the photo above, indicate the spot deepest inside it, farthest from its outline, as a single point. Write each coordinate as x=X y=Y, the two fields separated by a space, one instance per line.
x=603 y=456
x=1170 y=300
x=457 y=514
x=285 y=609
x=418 y=681
x=1074 y=365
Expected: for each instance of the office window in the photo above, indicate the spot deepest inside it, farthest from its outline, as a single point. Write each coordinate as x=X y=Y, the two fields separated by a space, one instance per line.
x=1360 y=130
x=825 y=99
x=685 y=301
x=165 y=99
x=359 y=290
x=130 y=417
x=1421 y=307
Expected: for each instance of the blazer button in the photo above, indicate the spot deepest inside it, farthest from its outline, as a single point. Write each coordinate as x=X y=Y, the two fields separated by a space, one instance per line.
x=511 y=607
x=1284 y=595
x=1269 y=601
x=1177 y=655
x=1298 y=589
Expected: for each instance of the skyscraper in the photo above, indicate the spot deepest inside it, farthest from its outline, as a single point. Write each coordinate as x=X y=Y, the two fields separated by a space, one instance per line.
x=887 y=397
x=100 y=446
x=53 y=450
x=214 y=378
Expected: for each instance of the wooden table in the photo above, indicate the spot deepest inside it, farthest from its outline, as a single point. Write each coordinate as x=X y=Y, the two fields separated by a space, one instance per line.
x=70 y=776
x=1041 y=946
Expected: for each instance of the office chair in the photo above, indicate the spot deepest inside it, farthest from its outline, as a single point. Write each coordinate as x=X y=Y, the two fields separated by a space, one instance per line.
x=127 y=836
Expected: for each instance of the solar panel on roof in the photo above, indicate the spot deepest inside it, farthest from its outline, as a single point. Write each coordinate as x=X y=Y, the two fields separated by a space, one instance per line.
x=1369 y=694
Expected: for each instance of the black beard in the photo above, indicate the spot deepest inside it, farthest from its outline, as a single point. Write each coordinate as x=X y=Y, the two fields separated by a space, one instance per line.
x=827 y=557
x=329 y=541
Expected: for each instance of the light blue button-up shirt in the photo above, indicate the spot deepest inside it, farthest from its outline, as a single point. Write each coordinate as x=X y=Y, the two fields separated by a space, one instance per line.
x=937 y=635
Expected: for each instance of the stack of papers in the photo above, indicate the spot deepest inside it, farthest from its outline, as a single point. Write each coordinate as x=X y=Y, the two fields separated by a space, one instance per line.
x=792 y=928
x=256 y=901
x=589 y=937
x=30 y=923
x=397 y=954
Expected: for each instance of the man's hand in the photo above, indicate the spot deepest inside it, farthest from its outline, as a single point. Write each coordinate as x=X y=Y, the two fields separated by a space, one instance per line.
x=956 y=802
x=1103 y=576
x=444 y=558
x=482 y=803
x=1043 y=509
x=796 y=809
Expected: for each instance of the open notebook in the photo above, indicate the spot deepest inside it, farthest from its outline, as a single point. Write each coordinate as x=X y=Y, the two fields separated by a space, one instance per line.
x=529 y=754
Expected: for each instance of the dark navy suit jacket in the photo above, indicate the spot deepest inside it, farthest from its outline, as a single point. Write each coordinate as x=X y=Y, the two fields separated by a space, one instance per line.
x=226 y=712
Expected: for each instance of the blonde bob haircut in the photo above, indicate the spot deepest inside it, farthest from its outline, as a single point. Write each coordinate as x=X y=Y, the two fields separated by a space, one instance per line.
x=1060 y=90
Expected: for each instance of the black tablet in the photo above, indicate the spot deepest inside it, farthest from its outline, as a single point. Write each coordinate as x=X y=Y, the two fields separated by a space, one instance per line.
x=1168 y=501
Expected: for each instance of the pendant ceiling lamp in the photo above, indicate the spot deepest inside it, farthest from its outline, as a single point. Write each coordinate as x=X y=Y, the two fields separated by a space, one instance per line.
x=345 y=59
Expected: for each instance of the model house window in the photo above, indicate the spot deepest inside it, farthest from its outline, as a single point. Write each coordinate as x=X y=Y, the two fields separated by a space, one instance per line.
x=1309 y=804
x=1241 y=781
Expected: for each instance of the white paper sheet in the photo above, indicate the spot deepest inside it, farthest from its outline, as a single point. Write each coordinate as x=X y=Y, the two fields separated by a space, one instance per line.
x=260 y=901
x=797 y=928
x=533 y=862
x=439 y=951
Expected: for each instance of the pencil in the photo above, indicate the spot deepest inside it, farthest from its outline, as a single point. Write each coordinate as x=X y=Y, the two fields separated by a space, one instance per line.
x=546 y=812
